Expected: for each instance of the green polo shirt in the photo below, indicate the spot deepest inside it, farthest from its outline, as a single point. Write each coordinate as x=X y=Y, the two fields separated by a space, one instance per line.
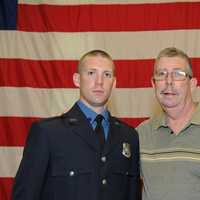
x=170 y=164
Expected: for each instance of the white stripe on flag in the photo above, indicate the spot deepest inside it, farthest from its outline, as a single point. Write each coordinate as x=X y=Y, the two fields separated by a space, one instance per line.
x=121 y=45
x=10 y=158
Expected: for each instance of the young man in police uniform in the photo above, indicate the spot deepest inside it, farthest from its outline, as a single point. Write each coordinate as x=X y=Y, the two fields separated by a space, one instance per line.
x=64 y=159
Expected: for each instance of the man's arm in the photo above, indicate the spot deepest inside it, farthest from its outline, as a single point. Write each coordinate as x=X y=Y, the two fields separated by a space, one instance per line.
x=31 y=173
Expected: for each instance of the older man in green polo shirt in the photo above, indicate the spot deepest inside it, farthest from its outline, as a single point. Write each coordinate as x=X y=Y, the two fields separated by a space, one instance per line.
x=170 y=142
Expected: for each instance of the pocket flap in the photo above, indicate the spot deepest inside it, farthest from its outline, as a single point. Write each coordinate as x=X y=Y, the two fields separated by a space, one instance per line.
x=70 y=172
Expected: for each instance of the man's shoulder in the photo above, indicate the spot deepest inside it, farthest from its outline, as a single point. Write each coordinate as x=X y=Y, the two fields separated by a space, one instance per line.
x=148 y=126
x=59 y=118
x=124 y=126
x=145 y=123
x=121 y=123
x=49 y=121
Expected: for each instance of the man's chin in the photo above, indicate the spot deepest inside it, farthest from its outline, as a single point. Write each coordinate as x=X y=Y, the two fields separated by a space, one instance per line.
x=168 y=105
x=98 y=104
x=168 y=102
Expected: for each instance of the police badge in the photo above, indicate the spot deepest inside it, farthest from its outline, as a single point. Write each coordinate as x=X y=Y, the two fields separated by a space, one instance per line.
x=126 y=150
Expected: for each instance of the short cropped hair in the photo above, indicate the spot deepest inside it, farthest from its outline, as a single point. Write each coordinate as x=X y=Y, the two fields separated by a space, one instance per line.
x=94 y=53
x=174 y=52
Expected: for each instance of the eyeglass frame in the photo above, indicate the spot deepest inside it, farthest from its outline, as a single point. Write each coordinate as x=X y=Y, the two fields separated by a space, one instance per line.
x=186 y=74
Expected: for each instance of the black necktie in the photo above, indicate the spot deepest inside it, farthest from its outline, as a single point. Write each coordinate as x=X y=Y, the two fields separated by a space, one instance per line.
x=99 y=130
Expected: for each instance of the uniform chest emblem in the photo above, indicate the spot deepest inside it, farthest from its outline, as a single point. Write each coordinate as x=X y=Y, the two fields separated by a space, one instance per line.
x=126 y=150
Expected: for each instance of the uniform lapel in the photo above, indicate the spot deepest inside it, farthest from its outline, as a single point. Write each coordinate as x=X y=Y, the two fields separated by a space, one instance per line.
x=81 y=126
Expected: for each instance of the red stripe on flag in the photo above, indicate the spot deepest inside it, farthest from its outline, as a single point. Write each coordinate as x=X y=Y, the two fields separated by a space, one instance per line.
x=36 y=73
x=14 y=130
x=58 y=74
x=195 y=68
x=134 y=73
x=5 y=188
x=129 y=17
x=133 y=121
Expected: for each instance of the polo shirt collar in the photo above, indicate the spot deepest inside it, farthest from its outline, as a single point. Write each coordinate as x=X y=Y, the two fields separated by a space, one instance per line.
x=159 y=121
x=196 y=115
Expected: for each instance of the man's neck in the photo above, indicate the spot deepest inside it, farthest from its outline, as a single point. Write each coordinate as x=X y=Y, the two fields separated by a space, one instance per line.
x=177 y=118
x=95 y=108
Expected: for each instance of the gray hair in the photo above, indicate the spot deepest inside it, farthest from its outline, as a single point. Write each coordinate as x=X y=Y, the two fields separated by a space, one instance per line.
x=174 y=52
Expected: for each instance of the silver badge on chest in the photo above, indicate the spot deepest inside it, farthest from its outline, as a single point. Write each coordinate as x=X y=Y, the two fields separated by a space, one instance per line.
x=126 y=150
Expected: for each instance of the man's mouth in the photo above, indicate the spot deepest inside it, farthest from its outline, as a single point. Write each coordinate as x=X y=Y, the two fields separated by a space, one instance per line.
x=168 y=93
x=98 y=91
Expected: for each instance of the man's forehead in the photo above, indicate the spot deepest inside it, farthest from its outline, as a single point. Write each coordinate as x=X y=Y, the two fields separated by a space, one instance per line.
x=96 y=58
x=98 y=62
x=172 y=62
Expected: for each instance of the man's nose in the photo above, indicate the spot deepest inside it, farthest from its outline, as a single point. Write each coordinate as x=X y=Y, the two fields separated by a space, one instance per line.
x=99 y=79
x=169 y=78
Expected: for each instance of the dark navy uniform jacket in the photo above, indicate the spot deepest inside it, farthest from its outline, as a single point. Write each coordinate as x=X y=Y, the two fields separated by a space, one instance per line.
x=62 y=161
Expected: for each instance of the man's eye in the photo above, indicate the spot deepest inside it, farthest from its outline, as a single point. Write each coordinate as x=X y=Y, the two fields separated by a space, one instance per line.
x=108 y=75
x=90 y=73
x=179 y=73
x=161 y=73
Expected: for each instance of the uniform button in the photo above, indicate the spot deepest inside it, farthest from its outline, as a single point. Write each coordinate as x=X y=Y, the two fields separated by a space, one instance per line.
x=104 y=181
x=71 y=173
x=103 y=159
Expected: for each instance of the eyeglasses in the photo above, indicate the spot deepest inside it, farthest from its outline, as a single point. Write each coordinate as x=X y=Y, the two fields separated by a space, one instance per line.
x=176 y=75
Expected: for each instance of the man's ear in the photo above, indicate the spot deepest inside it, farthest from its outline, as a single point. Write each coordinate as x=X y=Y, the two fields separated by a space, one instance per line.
x=114 y=83
x=193 y=84
x=76 y=79
x=152 y=82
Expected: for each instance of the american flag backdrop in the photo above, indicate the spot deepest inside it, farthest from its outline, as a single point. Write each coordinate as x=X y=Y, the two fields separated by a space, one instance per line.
x=42 y=40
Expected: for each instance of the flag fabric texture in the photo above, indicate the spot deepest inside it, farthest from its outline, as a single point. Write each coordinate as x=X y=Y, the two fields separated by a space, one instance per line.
x=41 y=42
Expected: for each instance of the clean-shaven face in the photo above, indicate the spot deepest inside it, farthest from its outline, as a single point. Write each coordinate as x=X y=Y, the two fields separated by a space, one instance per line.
x=96 y=80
